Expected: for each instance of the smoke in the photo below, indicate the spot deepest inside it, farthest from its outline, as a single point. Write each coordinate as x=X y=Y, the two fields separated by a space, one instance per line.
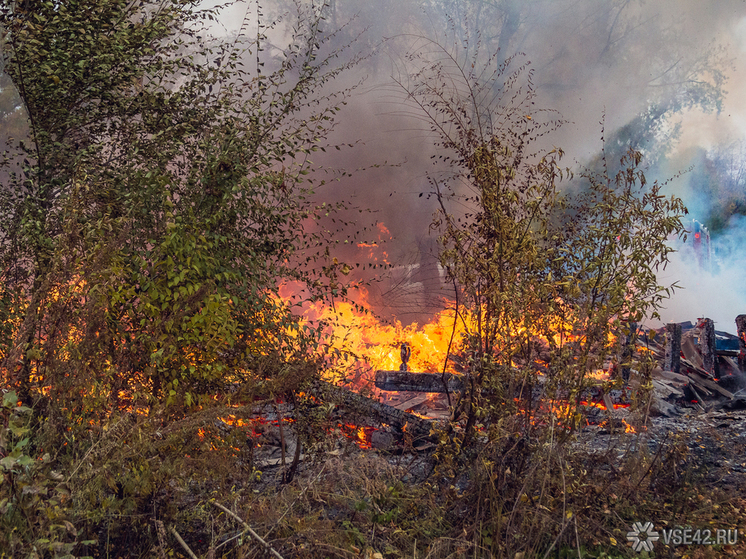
x=713 y=291
x=665 y=76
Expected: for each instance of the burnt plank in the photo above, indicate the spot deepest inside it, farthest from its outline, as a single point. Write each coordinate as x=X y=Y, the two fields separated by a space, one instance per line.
x=672 y=359
x=403 y=381
x=412 y=402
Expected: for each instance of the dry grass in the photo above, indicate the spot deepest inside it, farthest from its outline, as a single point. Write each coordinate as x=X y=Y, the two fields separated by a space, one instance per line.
x=509 y=499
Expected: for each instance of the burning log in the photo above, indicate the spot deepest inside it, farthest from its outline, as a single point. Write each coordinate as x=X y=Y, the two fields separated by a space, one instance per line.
x=402 y=381
x=672 y=358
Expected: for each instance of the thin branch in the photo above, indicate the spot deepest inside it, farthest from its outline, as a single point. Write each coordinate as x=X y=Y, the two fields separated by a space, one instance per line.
x=248 y=529
x=450 y=342
x=183 y=543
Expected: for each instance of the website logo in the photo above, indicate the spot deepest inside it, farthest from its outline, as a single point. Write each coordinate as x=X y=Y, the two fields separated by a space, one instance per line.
x=642 y=536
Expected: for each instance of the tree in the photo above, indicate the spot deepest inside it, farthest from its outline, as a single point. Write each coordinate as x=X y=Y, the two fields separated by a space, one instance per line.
x=528 y=260
x=655 y=63
x=716 y=186
x=544 y=275
x=164 y=195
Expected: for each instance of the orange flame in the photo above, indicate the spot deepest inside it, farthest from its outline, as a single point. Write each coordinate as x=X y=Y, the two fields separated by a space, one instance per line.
x=365 y=344
x=373 y=254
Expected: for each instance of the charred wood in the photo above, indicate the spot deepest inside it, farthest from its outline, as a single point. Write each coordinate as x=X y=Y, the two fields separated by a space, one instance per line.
x=672 y=358
x=707 y=346
x=741 y=328
x=379 y=412
x=418 y=382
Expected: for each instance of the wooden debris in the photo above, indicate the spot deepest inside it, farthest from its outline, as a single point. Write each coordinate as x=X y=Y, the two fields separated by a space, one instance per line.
x=672 y=359
x=666 y=389
x=707 y=346
x=412 y=402
x=692 y=358
x=379 y=412
x=670 y=375
x=741 y=328
x=712 y=385
x=418 y=382
x=699 y=398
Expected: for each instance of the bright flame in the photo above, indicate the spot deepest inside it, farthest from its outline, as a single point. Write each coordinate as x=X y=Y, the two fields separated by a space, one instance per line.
x=374 y=252
x=368 y=344
x=628 y=428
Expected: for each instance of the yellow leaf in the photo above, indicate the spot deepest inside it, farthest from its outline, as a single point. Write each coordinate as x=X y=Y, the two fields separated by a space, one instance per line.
x=612 y=540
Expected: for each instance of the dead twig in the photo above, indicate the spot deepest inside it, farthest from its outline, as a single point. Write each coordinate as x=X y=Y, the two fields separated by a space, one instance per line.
x=577 y=538
x=183 y=543
x=277 y=523
x=160 y=530
x=256 y=536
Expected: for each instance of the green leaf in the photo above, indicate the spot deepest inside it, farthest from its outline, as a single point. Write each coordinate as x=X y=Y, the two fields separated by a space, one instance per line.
x=10 y=399
x=18 y=430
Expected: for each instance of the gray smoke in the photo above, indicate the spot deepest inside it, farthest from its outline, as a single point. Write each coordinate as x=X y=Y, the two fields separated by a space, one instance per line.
x=668 y=76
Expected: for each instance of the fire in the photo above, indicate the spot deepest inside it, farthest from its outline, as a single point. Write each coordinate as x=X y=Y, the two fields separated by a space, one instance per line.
x=366 y=344
x=360 y=435
x=373 y=253
x=233 y=421
x=361 y=343
x=599 y=375
x=628 y=428
x=602 y=406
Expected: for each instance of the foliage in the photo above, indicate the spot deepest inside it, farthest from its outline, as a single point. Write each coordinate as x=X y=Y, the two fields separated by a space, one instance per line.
x=34 y=500
x=545 y=275
x=161 y=198
x=164 y=196
x=612 y=241
x=351 y=503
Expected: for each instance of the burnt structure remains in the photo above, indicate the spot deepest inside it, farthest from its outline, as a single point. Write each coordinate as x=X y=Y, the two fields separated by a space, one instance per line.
x=699 y=368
